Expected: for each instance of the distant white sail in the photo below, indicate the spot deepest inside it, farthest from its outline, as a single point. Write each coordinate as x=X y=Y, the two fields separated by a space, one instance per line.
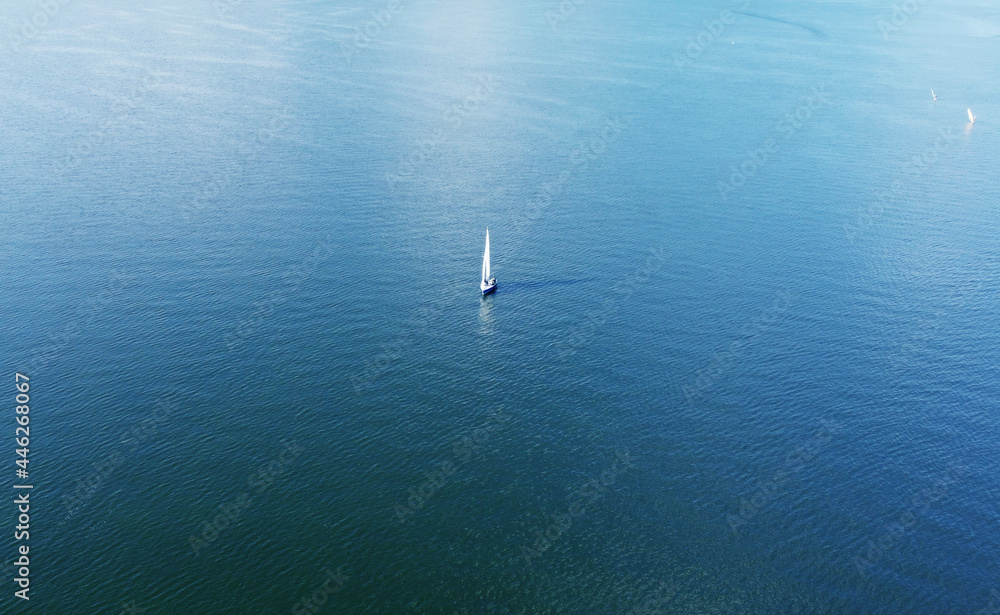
x=972 y=118
x=933 y=95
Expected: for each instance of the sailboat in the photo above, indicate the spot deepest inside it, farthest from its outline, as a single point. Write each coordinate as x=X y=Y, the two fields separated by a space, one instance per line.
x=933 y=95
x=972 y=118
x=488 y=283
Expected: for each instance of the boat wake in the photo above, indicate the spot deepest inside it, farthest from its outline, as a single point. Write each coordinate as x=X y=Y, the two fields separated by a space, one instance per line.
x=509 y=287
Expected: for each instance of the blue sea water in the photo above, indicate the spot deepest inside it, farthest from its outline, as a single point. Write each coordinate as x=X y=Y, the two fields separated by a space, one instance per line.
x=747 y=271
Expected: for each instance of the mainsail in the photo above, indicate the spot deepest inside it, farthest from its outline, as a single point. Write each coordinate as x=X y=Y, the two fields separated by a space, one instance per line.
x=486 y=258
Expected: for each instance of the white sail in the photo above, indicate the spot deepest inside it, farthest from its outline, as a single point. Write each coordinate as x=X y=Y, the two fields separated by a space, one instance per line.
x=489 y=284
x=933 y=95
x=972 y=118
x=486 y=258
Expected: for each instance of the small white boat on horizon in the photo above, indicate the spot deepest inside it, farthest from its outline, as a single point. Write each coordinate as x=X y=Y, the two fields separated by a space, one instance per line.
x=488 y=284
x=972 y=118
x=933 y=95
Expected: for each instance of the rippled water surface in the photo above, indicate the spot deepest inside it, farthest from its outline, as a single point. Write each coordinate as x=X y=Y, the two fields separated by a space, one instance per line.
x=742 y=358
